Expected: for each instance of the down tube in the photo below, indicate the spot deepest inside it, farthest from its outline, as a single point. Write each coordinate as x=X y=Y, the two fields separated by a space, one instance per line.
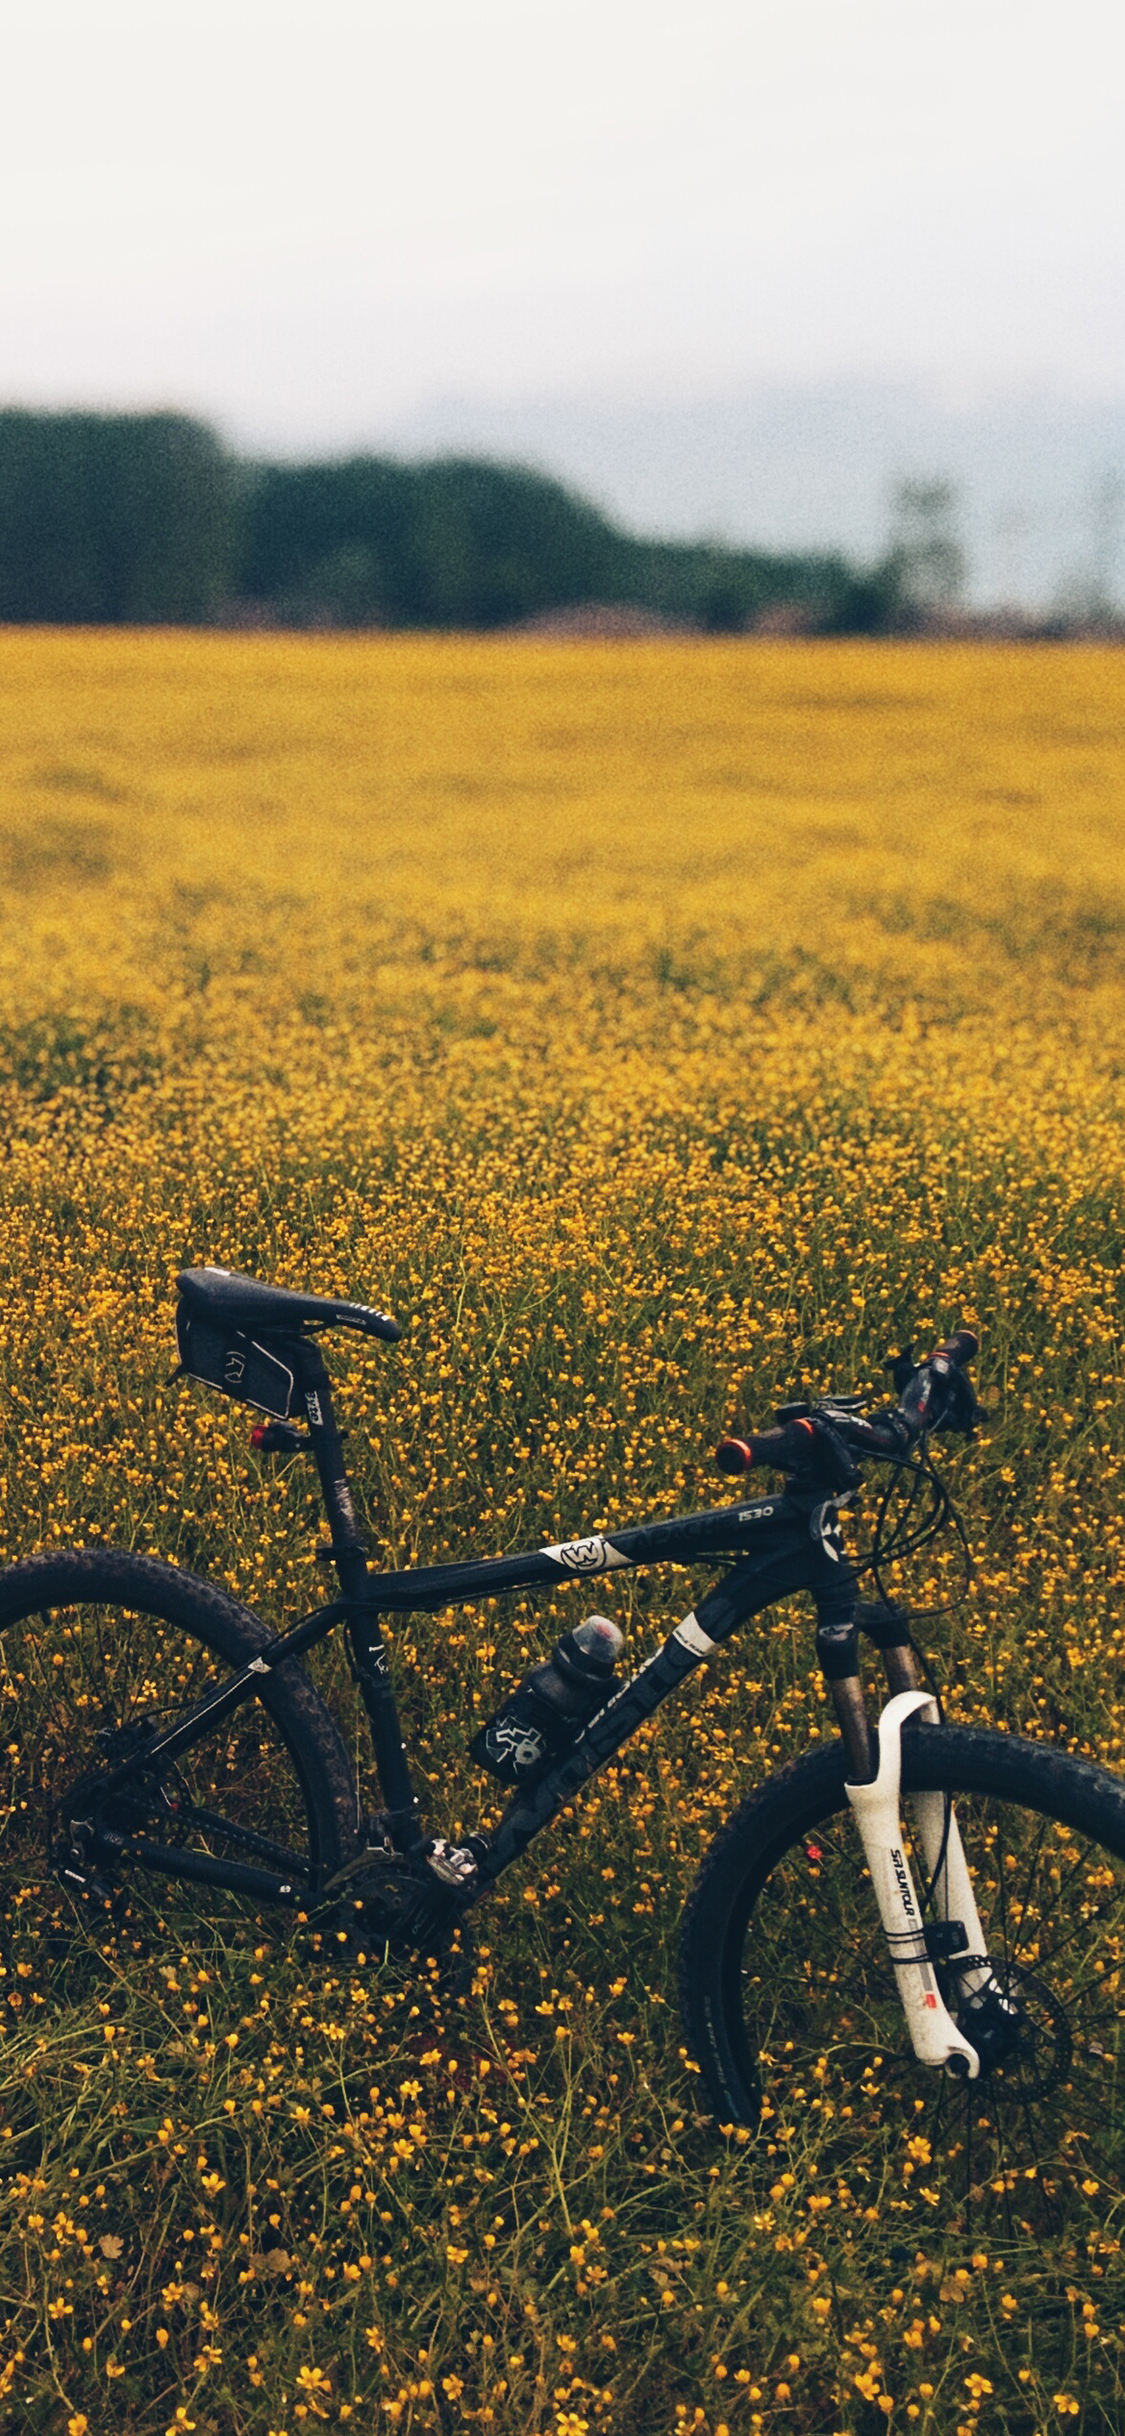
x=749 y=1588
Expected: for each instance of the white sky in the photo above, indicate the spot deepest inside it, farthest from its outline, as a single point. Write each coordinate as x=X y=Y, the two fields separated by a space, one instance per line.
x=307 y=219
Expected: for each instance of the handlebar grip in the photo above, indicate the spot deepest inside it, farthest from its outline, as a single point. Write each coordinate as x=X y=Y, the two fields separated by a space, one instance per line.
x=938 y=1395
x=779 y=1449
x=960 y=1348
x=734 y=1455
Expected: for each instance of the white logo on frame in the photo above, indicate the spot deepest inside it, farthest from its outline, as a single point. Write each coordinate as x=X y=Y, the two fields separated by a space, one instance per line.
x=585 y=1555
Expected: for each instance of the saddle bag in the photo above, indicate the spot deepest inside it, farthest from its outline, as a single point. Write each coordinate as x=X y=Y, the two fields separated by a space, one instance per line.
x=237 y=1364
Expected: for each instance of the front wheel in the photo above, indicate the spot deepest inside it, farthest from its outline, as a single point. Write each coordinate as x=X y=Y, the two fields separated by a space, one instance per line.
x=791 y=2010
x=99 y=1648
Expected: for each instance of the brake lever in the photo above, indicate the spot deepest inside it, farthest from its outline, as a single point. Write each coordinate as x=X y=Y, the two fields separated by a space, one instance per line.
x=967 y=1412
x=902 y=1367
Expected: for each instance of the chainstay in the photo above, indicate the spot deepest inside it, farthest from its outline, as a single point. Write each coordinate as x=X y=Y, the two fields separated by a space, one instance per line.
x=244 y=1839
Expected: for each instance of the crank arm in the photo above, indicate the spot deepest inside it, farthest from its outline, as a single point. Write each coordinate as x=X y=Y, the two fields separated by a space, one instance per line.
x=934 y=2033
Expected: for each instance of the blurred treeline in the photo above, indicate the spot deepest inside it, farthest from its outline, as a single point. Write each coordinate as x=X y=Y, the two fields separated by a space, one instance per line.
x=149 y=520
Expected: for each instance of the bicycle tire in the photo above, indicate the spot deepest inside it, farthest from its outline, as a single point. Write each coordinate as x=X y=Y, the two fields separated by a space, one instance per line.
x=93 y=1639
x=790 y=2008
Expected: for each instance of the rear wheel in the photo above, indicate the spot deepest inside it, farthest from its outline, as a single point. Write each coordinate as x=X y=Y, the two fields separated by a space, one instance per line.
x=793 y=2017
x=98 y=1648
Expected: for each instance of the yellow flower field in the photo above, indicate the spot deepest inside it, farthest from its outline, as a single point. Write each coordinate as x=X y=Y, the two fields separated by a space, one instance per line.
x=657 y=1030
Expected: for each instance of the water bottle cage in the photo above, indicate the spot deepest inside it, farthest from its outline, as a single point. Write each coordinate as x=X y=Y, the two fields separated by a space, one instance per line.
x=547 y=1712
x=518 y=1744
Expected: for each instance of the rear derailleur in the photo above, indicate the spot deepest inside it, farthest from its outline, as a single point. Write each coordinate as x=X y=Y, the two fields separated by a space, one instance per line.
x=89 y=1827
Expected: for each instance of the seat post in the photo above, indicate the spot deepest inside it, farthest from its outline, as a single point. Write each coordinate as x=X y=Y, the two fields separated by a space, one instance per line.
x=348 y=1546
x=365 y=1641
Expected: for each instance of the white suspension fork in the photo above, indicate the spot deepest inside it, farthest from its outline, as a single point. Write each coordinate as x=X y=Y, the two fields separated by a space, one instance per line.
x=948 y=1873
x=935 y=2035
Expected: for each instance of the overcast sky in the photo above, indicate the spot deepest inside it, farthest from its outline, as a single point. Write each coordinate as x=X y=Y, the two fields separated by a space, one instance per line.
x=308 y=220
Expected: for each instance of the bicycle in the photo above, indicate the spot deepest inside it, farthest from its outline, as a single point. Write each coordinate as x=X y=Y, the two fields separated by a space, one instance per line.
x=978 y=1953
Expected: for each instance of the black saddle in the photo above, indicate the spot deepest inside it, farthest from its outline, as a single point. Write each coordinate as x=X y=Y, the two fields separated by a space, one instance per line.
x=227 y=1300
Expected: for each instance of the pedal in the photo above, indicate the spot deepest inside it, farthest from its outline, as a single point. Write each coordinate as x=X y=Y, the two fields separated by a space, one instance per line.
x=454 y=1864
x=97 y=1893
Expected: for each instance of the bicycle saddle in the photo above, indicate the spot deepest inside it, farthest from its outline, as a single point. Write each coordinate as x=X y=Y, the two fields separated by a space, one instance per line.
x=225 y=1298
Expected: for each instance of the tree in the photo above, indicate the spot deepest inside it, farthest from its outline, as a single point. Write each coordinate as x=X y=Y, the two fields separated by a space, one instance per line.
x=459 y=542
x=113 y=519
x=144 y=519
x=925 y=559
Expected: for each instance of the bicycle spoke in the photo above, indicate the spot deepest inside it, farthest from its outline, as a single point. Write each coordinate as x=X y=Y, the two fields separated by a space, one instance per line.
x=1060 y=1890
x=93 y=1681
x=1033 y=1867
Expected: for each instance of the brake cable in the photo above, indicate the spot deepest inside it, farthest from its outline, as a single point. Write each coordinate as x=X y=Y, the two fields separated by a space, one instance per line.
x=893 y=1547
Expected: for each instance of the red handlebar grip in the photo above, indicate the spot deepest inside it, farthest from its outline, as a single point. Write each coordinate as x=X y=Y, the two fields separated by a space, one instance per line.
x=734 y=1455
x=779 y=1450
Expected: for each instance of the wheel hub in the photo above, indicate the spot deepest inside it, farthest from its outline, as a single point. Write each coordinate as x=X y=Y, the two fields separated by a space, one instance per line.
x=88 y=1812
x=1018 y=2028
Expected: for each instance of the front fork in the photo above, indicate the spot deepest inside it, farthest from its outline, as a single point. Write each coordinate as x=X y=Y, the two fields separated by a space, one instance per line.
x=913 y=1944
x=935 y=2035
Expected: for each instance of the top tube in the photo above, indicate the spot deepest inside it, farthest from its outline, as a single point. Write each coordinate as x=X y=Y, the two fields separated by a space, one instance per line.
x=685 y=1540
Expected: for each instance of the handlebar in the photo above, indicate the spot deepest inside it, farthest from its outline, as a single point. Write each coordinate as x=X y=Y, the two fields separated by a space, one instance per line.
x=933 y=1394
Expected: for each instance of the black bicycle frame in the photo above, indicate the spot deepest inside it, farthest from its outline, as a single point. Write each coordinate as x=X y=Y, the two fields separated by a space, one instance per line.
x=781 y=1545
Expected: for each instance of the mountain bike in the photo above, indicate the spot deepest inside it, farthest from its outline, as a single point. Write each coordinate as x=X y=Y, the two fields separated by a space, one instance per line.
x=969 y=1953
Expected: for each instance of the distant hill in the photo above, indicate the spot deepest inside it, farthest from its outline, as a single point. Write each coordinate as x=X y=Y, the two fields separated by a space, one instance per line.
x=148 y=519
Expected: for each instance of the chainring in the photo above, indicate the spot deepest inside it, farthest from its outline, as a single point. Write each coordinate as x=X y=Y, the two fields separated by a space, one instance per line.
x=393 y=1900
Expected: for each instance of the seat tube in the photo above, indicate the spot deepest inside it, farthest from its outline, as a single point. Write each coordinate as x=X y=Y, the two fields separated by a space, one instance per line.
x=366 y=1646
x=348 y=1548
